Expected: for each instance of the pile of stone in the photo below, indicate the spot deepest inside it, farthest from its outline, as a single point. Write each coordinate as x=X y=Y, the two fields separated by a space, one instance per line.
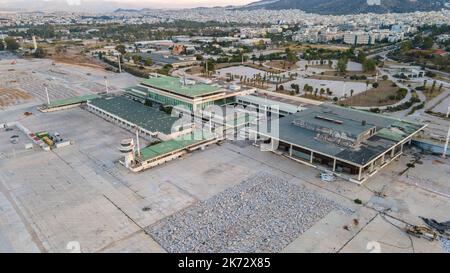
x=262 y=214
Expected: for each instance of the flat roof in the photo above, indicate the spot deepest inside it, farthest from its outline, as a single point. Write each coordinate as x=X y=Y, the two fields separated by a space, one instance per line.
x=174 y=85
x=137 y=113
x=179 y=143
x=331 y=119
x=390 y=131
x=73 y=100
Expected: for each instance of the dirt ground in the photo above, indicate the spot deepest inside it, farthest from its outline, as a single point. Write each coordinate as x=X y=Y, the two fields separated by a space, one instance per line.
x=373 y=97
x=331 y=75
x=12 y=96
x=282 y=65
x=72 y=54
x=301 y=48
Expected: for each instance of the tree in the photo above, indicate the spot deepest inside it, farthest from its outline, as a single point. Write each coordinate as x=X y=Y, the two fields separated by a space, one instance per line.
x=121 y=49
x=342 y=65
x=406 y=46
x=351 y=92
x=210 y=64
x=291 y=56
x=322 y=91
x=433 y=86
x=385 y=77
x=11 y=44
x=369 y=65
x=39 y=53
x=427 y=43
x=149 y=62
x=137 y=59
x=375 y=85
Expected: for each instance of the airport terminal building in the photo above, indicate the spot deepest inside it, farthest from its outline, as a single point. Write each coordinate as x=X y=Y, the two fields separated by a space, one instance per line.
x=352 y=144
x=192 y=95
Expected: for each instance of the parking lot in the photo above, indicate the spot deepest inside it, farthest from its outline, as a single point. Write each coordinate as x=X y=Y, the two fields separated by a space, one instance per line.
x=62 y=80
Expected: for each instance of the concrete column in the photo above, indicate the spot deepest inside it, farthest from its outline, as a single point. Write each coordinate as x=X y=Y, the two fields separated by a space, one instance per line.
x=371 y=167
x=382 y=159
x=311 y=158
x=401 y=148
x=290 y=151
x=334 y=165
x=392 y=152
x=360 y=172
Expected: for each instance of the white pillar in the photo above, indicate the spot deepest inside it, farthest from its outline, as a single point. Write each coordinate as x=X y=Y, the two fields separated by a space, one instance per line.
x=311 y=158
x=106 y=85
x=360 y=172
x=334 y=165
x=137 y=143
x=444 y=155
x=46 y=93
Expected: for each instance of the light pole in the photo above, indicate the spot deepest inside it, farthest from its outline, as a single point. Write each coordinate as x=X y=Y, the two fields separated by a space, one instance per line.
x=206 y=63
x=120 y=65
x=444 y=155
x=106 y=85
x=46 y=93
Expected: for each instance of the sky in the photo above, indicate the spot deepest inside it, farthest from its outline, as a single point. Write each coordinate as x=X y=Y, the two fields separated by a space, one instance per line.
x=189 y=3
x=137 y=3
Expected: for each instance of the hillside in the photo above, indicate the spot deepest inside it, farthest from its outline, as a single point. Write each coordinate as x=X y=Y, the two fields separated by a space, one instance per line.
x=350 y=6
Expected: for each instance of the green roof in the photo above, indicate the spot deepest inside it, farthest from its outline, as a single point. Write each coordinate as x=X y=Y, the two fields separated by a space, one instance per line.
x=389 y=134
x=174 y=85
x=73 y=100
x=174 y=145
x=136 y=92
x=398 y=130
x=146 y=117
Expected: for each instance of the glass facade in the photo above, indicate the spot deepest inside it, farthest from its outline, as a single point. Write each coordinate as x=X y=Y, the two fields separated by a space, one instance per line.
x=175 y=102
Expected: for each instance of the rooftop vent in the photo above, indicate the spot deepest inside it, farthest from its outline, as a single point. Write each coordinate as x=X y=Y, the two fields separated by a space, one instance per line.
x=329 y=119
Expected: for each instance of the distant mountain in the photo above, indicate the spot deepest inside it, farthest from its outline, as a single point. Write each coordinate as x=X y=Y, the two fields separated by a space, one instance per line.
x=339 y=7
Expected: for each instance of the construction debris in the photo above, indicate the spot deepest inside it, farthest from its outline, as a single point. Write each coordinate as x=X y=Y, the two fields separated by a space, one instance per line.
x=443 y=228
x=422 y=232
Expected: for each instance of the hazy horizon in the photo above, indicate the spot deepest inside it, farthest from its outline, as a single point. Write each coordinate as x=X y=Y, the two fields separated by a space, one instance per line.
x=79 y=4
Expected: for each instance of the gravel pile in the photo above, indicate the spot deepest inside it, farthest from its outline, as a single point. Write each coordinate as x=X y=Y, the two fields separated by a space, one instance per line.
x=263 y=214
x=445 y=244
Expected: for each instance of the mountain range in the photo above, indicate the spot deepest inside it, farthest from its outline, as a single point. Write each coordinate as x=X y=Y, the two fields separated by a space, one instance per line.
x=339 y=7
x=336 y=7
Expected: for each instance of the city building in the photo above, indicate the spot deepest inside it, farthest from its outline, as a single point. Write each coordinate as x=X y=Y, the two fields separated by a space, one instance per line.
x=358 y=38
